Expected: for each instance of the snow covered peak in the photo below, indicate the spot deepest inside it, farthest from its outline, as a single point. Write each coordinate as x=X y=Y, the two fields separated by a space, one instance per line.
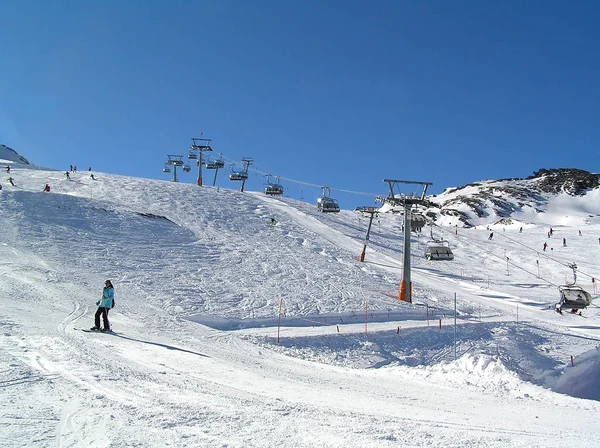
x=9 y=155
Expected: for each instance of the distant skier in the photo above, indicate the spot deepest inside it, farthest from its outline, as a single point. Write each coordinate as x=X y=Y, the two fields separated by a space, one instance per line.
x=10 y=179
x=68 y=176
x=521 y=230
x=580 y=233
x=545 y=246
x=92 y=176
x=491 y=236
x=273 y=222
x=47 y=188
x=8 y=168
x=70 y=167
x=564 y=242
x=104 y=305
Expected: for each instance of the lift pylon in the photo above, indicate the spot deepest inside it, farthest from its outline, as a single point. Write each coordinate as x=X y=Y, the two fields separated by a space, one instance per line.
x=406 y=201
x=201 y=145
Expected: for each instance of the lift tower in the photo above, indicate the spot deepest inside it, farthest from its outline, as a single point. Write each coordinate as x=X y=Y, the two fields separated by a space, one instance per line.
x=201 y=145
x=174 y=161
x=406 y=201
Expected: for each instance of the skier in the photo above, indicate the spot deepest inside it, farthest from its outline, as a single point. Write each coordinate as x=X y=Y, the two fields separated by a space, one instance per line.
x=521 y=230
x=104 y=305
x=92 y=176
x=47 y=188
x=10 y=179
x=545 y=246
x=8 y=168
x=273 y=221
x=67 y=174
x=491 y=236
x=564 y=242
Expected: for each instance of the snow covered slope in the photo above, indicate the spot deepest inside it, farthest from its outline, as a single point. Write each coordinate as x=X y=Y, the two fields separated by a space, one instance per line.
x=202 y=281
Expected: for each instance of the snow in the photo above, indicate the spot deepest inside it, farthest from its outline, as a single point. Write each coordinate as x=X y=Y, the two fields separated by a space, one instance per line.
x=198 y=359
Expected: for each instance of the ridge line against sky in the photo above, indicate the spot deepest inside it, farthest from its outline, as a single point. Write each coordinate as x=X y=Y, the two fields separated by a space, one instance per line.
x=337 y=93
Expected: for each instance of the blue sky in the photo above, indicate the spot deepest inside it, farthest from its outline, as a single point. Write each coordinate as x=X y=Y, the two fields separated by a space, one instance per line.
x=339 y=93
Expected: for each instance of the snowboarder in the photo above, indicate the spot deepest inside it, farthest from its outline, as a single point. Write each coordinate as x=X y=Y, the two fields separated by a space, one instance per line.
x=10 y=179
x=545 y=246
x=104 y=305
x=47 y=188
x=491 y=236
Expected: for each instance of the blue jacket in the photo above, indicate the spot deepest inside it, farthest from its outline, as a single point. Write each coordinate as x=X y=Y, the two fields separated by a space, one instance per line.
x=108 y=294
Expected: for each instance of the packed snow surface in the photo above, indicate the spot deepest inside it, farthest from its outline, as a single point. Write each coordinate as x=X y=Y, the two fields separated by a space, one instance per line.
x=231 y=332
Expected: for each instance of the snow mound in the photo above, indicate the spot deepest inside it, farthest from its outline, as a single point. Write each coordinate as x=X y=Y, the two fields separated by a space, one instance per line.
x=581 y=378
x=484 y=372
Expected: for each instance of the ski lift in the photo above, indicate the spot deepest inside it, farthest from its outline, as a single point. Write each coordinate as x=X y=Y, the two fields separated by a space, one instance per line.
x=273 y=188
x=417 y=221
x=192 y=156
x=216 y=164
x=438 y=250
x=572 y=296
x=327 y=204
x=186 y=168
x=238 y=175
x=166 y=169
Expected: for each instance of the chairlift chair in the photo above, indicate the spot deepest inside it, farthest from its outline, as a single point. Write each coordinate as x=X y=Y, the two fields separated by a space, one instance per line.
x=192 y=156
x=438 y=250
x=327 y=205
x=166 y=169
x=417 y=222
x=215 y=165
x=186 y=168
x=238 y=175
x=573 y=297
x=274 y=189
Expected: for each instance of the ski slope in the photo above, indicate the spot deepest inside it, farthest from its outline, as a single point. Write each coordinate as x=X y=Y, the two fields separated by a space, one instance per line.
x=197 y=358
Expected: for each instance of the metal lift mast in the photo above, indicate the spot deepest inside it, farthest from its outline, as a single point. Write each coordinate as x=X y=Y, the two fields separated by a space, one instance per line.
x=406 y=201
x=201 y=145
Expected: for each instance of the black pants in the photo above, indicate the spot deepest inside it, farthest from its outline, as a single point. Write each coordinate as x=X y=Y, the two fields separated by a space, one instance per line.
x=104 y=312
